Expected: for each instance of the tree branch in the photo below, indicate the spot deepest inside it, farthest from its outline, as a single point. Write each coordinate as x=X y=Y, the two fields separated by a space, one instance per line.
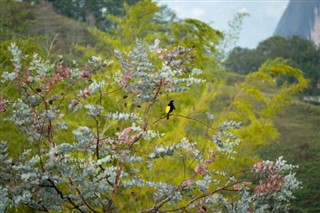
x=183 y=208
x=63 y=197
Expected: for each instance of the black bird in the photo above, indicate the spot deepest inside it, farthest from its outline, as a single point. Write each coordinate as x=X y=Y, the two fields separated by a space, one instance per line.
x=170 y=107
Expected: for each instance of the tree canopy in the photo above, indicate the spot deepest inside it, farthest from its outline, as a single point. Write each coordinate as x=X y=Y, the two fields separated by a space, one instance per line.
x=300 y=53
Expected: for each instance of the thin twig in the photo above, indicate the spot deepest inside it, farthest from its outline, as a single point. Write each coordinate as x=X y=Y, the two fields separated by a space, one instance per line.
x=51 y=44
x=112 y=91
x=158 y=120
x=151 y=104
x=98 y=138
x=183 y=116
x=84 y=201
x=195 y=158
x=63 y=197
x=203 y=196
x=67 y=90
x=115 y=187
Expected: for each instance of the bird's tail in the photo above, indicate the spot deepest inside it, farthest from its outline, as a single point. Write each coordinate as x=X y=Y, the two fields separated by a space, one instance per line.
x=167 y=116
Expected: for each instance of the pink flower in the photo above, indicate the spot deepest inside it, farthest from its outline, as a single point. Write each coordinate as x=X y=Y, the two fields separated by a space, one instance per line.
x=273 y=184
x=247 y=183
x=84 y=93
x=158 y=50
x=85 y=75
x=200 y=169
x=25 y=79
x=126 y=77
x=63 y=72
x=187 y=182
x=55 y=79
x=124 y=135
x=237 y=186
x=259 y=165
x=3 y=103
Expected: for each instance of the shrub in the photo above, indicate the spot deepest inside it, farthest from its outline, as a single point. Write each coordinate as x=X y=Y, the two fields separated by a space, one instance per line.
x=90 y=151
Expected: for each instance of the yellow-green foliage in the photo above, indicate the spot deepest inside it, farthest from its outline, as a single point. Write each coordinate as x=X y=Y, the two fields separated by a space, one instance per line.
x=143 y=21
x=9 y=132
x=137 y=23
x=256 y=100
x=198 y=35
x=253 y=101
x=250 y=102
x=14 y=18
x=27 y=46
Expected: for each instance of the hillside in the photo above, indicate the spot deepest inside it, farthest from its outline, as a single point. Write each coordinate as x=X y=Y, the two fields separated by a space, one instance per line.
x=299 y=144
x=301 y=18
x=58 y=31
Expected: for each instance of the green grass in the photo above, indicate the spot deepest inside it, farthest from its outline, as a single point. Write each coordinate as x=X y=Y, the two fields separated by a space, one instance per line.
x=299 y=143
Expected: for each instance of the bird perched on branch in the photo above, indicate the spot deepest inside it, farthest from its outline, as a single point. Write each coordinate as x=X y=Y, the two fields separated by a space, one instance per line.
x=170 y=107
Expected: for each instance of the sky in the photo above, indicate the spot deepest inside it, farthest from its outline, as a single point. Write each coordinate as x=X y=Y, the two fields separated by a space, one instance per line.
x=261 y=23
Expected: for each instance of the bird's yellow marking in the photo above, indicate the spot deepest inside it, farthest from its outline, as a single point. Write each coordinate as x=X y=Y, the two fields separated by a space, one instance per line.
x=167 y=109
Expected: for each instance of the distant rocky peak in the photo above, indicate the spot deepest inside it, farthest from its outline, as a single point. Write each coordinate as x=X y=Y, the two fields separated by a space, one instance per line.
x=301 y=18
x=315 y=31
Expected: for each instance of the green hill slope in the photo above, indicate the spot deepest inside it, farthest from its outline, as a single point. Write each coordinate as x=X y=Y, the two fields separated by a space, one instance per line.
x=299 y=126
x=59 y=33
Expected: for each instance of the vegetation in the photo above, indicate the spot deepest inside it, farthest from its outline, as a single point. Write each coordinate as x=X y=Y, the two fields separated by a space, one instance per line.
x=299 y=52
x=96 y=132
x=92 y=12
x=14 y=18
x=117 y=152
x=299 y=143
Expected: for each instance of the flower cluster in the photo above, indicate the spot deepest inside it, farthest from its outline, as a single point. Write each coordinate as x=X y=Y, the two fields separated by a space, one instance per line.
x=203 y=166
x=272 y=181
x=3 y=104
x=241 y=186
